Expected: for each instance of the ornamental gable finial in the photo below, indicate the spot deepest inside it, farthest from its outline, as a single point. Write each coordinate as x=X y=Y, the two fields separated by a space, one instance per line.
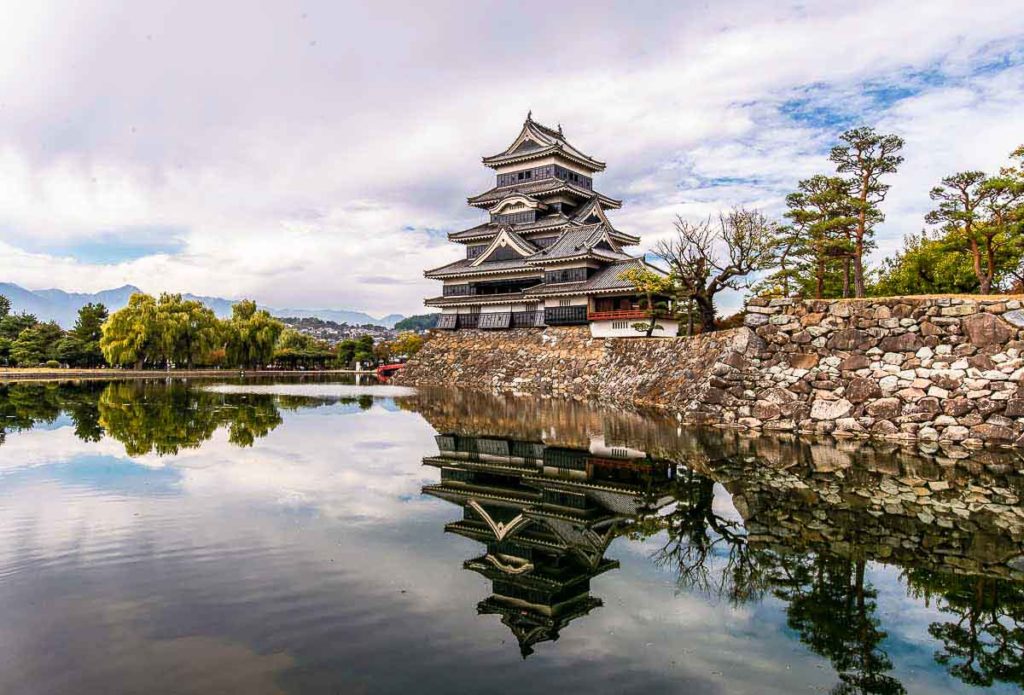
x=560 y=129
x=529 y=115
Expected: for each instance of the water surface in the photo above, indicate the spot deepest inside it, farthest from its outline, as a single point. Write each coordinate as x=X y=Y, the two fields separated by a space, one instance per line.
x=164 y=536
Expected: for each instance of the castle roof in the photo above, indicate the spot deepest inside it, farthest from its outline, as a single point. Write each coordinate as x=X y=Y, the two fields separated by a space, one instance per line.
x=607 y=279
x=535 y=141
x=582 y=242
x=539 y=189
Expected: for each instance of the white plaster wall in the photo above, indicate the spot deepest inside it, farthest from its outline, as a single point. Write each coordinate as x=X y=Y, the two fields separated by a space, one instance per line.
x=604 y=329
x=573 y=301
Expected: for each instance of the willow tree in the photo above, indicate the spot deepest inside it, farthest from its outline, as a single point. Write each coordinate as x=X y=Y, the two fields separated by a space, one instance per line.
x=251 y=335
x=865 y=156
x=709 y=256
x=188 y=329
x=130 y=335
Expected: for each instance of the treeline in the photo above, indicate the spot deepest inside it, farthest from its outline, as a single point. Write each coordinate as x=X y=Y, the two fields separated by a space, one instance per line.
x=24 y=340
x=974 y=241
x=170 y=331
x=418 y=322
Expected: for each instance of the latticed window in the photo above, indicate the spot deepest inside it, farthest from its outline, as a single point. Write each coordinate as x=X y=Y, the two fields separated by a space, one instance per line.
x=565 y=275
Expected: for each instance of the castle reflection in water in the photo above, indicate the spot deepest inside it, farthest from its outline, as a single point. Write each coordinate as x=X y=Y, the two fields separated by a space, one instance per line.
x=738 y=518
x=546 y=516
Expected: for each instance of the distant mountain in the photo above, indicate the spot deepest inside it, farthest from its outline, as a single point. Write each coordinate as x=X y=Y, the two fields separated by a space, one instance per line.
x=62 y=307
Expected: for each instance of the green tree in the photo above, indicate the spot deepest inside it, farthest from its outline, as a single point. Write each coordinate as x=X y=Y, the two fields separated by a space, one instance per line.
x=80 y=347
x=346 y=352
x=36 y=344
x=961 y=201
x=188 y=329
x=5 y=307
x=131 y=335
x=364 y=350
x=865 y=156
x=295 y=348
x=251 y=335
x=820 y=240
x=12 y=325
x=1004 y=208
x=419 y=322
x=926 y=265
x=650 y=284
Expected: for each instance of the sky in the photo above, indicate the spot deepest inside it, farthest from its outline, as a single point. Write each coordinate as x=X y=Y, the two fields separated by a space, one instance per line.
x=314 y=154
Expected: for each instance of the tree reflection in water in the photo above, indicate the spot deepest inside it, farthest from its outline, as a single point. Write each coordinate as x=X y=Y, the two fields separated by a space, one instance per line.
x=145 y=416
x=829 y=604
x=810 y=519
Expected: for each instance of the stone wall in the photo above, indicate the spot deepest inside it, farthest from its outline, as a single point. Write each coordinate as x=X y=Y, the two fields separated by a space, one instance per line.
x=567 y=361
x=930 y=368
x=942 y=369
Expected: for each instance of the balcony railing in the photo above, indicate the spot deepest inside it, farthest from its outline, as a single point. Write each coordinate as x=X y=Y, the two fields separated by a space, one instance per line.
x=565 y=315
x=624 y=315
x=468 y=320
x=527 y=319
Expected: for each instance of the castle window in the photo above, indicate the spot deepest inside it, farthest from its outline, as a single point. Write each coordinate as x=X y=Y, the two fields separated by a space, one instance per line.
x=565 y=275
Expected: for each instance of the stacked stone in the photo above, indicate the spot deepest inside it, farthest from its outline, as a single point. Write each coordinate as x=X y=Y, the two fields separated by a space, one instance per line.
x=945 y=368
x=958 y=525
x=942 y=370
x=558 y=362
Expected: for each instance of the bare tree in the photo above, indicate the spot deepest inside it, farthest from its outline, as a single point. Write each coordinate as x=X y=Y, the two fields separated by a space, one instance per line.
x=707 y=257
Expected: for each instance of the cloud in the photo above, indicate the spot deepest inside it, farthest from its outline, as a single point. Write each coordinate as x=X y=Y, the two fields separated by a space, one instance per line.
x=295 y=154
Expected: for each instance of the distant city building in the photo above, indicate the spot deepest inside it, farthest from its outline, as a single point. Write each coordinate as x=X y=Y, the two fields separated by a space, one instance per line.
x=547 y=255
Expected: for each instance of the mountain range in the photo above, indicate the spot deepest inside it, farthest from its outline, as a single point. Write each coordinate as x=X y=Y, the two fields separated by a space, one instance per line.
x=62 y=307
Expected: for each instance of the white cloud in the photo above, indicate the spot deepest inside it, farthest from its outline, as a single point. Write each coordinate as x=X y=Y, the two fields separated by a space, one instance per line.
x=298 y=153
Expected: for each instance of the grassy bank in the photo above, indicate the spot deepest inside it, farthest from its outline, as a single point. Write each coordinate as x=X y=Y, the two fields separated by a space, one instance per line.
x=45 y=374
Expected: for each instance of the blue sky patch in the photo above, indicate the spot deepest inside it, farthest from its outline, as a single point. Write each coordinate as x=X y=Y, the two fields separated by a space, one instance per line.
x=116 y=246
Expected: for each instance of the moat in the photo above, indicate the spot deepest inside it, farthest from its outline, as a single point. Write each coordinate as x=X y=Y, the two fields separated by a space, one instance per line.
x=308 y=535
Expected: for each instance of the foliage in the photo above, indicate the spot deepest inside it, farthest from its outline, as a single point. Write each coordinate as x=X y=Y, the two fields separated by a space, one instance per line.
x=700 y=270
x=419 y=322
x=80 y=347
x=294 y=348
x=364 y=350
x=818 y=248
x=926 y=265
x=130 y=335
x=251 y=335
x=865 y=156
x=345 y=352
x=5 y=306
x=405 y=345
x=187 y=330
x=650 y=284
x=12 y=325
x=36 y=344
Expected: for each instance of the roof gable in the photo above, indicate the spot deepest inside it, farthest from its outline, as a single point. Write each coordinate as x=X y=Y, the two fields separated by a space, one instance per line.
x=505 y=243
x=582 y=240
x=591 y=212
x=535 y=139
